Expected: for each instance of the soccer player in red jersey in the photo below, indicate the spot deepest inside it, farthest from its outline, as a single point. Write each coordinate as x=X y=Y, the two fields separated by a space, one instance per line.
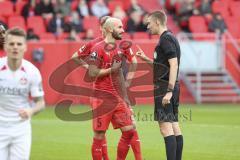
x=105 y=66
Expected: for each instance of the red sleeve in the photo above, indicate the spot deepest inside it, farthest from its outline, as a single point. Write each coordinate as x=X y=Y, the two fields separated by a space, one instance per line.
x=95 y=56
x=85 y=50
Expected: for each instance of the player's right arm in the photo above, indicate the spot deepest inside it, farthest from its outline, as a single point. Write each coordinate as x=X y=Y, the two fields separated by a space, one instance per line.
x=140 y=53
x=79 y=61
x=94 y=71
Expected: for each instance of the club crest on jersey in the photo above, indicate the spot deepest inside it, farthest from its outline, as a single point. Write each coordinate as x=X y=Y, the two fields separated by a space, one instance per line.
x=23 y=81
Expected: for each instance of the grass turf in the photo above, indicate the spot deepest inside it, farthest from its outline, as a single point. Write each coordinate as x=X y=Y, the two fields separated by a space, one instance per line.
x=211 y=132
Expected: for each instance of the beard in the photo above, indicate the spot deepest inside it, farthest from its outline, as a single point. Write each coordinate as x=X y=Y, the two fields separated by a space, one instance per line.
x=116 y=35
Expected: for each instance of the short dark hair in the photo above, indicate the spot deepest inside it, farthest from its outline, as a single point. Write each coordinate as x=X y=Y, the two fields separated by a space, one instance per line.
x=16 y=32
x=103 y=20
x=159 y=15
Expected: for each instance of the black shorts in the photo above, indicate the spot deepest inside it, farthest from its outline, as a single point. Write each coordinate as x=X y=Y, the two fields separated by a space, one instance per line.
x=168 y=113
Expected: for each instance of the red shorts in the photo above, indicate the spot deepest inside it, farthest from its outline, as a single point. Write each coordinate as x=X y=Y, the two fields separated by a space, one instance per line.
x=119 y=115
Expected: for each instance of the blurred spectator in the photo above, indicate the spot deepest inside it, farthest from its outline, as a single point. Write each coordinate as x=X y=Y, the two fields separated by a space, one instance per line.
x=136 y=7
x=205 y=7
x=28 y=9
x=217 y=24
x=31 y=36
x=63 y=6
x=185 y=12
x=99 y=8
x=89 y=35
x=119 y=13
x=45 y=9
x=135 y=24
x=82 y=8
x=73 y=36
x=56 y=24
x=76 y=22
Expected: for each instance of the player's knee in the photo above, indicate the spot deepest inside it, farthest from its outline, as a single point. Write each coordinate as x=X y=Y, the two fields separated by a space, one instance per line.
x=176 y=129
x=128 y=128
x=99 y=134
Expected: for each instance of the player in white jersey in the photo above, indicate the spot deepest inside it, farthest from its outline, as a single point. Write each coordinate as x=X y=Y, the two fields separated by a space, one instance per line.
x=18 y=79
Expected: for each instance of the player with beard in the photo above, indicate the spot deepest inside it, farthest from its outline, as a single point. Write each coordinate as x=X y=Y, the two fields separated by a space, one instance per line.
x=81 y=55
x=105 y=66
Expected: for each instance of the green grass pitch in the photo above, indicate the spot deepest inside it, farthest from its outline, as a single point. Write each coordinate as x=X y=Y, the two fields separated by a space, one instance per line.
x=211 y=132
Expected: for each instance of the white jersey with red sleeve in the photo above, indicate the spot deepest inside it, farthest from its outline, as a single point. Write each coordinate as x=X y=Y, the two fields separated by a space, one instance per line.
x=16 y=87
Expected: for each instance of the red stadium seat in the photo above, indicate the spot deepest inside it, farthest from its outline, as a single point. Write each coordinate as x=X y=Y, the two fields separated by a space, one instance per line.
x=221 y=7
x=126 y=36
x=6 y=8
x=37 y=24
x=19 y=6
x=47 y=37
x=233 y=26
x=140 y=35
x=197 y=24
x=91 y=22
x=235 y=8
x=74 y=5
x=16 y=21
x=113 y=4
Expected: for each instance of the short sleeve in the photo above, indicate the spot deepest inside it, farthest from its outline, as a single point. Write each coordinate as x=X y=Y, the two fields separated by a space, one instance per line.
x=36 y=88
x=85 y=50
x=169 y=47
x=95 y=57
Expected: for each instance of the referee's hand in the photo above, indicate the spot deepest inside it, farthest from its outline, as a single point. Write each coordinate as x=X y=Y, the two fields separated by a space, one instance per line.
x=140 y=53
x=166 y=99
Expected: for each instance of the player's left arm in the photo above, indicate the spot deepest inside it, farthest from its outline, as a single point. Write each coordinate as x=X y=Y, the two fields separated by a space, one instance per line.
x=37 y=93
x=171 y=54
x=26 y=113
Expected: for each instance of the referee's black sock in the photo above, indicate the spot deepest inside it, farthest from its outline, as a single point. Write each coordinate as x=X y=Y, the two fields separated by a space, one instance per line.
x=179 y=140
x=171 y=147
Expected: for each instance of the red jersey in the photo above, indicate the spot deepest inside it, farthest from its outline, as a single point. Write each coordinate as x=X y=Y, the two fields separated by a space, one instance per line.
x=85 y=50
x=102 y=55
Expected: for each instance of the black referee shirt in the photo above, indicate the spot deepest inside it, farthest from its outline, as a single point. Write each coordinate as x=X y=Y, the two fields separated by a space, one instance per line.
x=167 y=48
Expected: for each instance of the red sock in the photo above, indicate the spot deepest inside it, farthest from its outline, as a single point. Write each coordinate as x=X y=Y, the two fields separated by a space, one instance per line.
x=136 y=147
x=97 y=149
x=124 y=144
x=104 y=149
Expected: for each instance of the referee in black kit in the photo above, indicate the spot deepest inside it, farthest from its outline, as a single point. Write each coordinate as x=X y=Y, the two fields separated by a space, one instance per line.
x=166 y=87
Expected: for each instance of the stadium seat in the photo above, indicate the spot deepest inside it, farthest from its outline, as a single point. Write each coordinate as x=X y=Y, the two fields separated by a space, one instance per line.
x=16 y=21
x=140 y=35
x=197 y=24
x=37 y=24
x=91 y=22
x=6 y=8
x=221 y=7
x=113 y=4
x=74 y=5
x=47 y=37
x=233 y=26
x=19 y=6
x=235 y=8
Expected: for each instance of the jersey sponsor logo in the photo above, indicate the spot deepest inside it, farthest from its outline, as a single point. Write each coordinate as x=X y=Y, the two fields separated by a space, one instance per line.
x=13 y=91
x=93 y=56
